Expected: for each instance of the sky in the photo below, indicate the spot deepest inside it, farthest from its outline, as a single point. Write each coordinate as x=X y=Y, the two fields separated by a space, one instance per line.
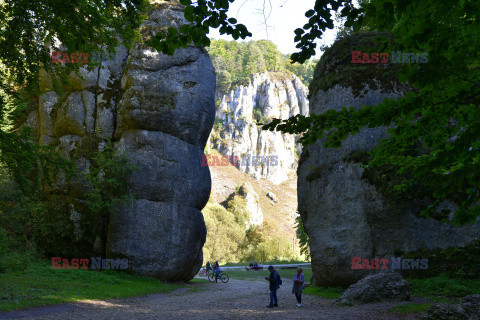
x=285 y=17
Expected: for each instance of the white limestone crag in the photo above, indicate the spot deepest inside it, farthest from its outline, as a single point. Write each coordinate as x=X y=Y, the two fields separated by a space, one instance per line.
x=268 y=95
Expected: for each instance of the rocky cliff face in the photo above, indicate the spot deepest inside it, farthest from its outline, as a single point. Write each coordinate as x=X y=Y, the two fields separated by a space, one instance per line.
x=159 y=110
x=264 y=154
x=343 y=214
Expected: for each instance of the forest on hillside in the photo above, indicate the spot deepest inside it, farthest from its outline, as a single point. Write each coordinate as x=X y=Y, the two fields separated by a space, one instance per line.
x=235 y=63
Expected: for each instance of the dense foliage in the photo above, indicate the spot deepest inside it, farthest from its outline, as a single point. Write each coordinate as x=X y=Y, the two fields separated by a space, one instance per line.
x=224 y=234
x=205 y=14
x=36 y=210
x=452 y=262
x=49 y=223
x=302 y=236
x=441 y=112
x=30 y=29
x=229 y=239
x=236 y=62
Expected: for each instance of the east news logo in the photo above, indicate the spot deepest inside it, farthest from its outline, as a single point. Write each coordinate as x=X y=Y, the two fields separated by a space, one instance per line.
x=97 y=263
x=382 y=57
x=396 y=263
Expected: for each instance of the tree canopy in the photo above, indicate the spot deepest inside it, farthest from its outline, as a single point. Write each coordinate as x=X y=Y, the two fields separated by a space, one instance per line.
x=29 y=30
x=439 y=117
x=235 y=62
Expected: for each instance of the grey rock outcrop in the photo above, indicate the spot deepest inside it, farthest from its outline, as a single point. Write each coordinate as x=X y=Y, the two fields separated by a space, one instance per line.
x=159 y=110
x=249 y=198
x=380 y=287
x=269 y=95
x=272 y=196
x=343 y=214
x=467 y=309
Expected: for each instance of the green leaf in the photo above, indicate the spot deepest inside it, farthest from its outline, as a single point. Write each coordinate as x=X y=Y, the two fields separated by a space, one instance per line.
x=309 y=13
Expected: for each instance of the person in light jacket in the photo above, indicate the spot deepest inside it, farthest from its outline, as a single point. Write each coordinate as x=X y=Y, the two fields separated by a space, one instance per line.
x=298 y=280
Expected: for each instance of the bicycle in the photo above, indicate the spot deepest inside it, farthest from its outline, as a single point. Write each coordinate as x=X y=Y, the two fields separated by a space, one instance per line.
x=204 y=272
x=222 y=276
x=208 y=273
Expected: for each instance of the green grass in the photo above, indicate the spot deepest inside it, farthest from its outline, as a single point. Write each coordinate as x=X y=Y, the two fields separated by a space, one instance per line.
x=438 y=289
x=286 y=274
x=329 y=293
x=199 y=280
x=443 y=286
x=39 y=284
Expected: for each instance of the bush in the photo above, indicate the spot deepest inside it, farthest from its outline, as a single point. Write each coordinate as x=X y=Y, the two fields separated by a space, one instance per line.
x=224 y=234
x=303 y=237
x=258 y=115
x=455 y=262
x=3 y=247
x=3 y=241
x=266 y=248
x=238 y=207
x=49 y=219
x=15 y=261
x=444 y=286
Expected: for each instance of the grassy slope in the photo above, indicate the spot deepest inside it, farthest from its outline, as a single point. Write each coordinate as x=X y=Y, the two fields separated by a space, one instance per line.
x=39 y=284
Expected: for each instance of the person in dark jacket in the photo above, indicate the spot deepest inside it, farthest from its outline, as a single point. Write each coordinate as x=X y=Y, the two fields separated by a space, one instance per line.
x=274 y=285
x=216 y=269
x=298 y=280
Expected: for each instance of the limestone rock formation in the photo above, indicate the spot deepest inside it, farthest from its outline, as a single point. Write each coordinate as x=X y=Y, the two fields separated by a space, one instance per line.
x=272 y=196
x=246 y=203
x=343 y=214
x=380 y=287
x=264 y=154
x=159 y=110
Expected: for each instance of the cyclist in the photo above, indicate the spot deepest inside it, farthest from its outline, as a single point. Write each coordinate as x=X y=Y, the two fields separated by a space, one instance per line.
x=208 y=267
x=216 y=269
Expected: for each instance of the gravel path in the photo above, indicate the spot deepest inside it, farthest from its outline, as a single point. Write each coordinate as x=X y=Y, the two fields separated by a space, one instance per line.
x=236 y=299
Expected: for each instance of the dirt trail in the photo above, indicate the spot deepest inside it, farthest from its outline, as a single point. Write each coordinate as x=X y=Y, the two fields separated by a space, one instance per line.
x=235 y=300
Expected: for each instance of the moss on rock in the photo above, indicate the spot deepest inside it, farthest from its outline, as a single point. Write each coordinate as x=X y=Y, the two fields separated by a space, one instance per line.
x=336 y=67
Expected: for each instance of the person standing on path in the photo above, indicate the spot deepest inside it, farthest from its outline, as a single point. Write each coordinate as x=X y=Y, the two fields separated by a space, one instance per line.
x=216 y=269
x=298 y=280
x=274 y=285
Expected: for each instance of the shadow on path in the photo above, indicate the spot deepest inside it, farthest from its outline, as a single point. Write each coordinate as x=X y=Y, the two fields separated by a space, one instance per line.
x=236 y=299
